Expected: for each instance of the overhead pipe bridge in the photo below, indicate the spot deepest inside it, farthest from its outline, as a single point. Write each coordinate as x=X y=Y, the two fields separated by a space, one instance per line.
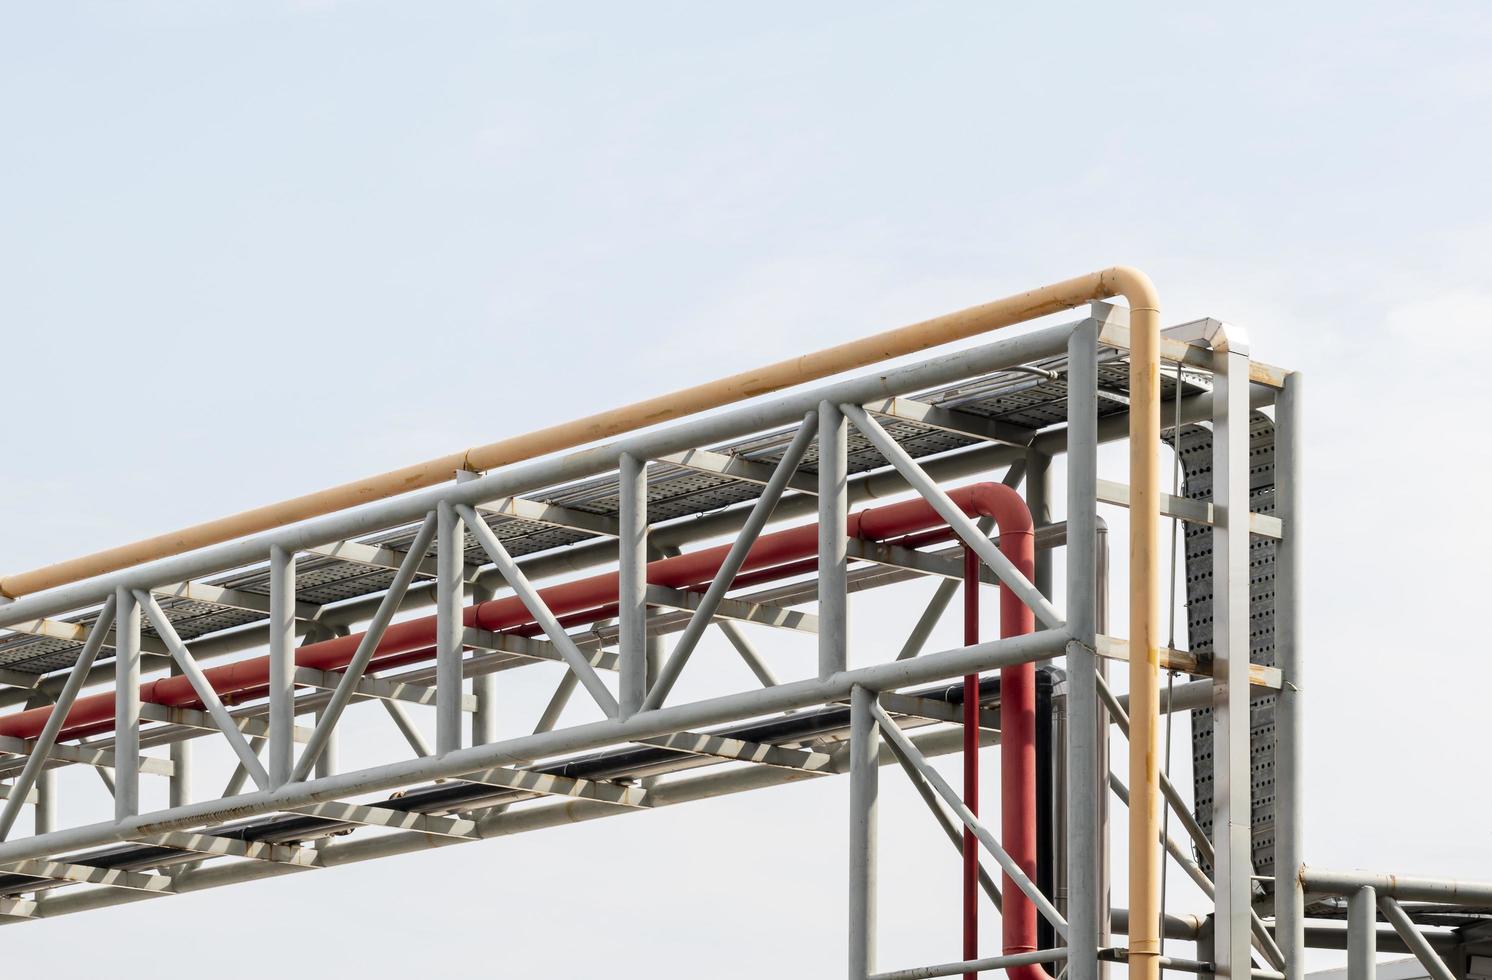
x=411 y=595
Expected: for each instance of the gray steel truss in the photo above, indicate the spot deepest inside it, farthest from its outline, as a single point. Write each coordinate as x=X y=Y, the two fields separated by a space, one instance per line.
x=312 y=623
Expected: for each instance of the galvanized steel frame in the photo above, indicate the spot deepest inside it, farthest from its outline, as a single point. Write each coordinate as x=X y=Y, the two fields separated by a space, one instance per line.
x=455 y=514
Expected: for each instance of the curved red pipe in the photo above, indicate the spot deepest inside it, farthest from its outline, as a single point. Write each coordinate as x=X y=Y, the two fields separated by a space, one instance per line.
x=694 y=570
x=1017 y=738
x=778 y=555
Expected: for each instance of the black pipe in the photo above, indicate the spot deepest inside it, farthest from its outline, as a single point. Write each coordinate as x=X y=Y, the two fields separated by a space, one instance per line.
x=1046 y=865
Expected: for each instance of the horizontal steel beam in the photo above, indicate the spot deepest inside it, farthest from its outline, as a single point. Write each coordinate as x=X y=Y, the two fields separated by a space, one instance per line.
x=537 y=649
x=214 y=846
x=249 y=724
x=547 y=784
x=988 y=963
x=22 y=679
x=217 y=595
x=86 y=755
x=377 y=816
x=944 y=711
x=953 y=420
x=524 y=749
x=1191 y=511
x=86 y=875
x=380 y=556
x=7 y=791
x=737 y=609
x=56 y=629
x=1405 y=887
x=539 y=512
x=1115 y=648
x=737 y=468
x=1116 y=335
x=376 y=687
x=17 y=908
x=1333 y=935
x=737 y=750
x=945 y=562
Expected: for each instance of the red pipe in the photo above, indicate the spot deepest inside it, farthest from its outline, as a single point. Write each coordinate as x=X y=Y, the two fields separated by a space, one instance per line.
x=1017 y=738
x=1018 y=742
x=784 y=553
x=404 y=642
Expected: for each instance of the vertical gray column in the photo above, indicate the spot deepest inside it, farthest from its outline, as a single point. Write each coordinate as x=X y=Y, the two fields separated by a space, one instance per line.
x=655 y=659
x=1206 y=945
x=833 y=538
x=1038 y=501
x=865 y=751
x=179 y=792
x=179 y=786
x=1101 y=722
x=656 y=649
x=1231 y=829
x=632 y=589
x=1362 y=935
x=45 y=816
x=326 y=762
x=1289 y=898
x=655 y=643
x=281 y=666
x=126 y=704
x=484 y=719
x=450 y=568
x=484 y=687
x=1087 y=783
x=326 y=765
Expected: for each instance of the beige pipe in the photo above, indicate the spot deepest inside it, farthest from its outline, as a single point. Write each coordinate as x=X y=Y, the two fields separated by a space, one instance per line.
x=1144 y=636
x=568 y=435
x=1144 y=423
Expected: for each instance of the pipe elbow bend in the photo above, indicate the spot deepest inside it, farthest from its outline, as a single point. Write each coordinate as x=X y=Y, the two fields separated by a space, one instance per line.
x=1133 y=285
x=1029 y=971
x=1005 y=506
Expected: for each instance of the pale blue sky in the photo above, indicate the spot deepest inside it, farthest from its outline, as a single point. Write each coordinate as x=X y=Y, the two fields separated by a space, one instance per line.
x=250 y=249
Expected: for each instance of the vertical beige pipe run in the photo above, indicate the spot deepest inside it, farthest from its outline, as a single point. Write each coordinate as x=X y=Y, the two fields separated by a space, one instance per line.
x=1132 y=284
x=1144 y=638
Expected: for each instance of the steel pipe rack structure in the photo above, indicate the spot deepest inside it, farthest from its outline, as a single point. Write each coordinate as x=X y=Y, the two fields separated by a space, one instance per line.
x=320 y=607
